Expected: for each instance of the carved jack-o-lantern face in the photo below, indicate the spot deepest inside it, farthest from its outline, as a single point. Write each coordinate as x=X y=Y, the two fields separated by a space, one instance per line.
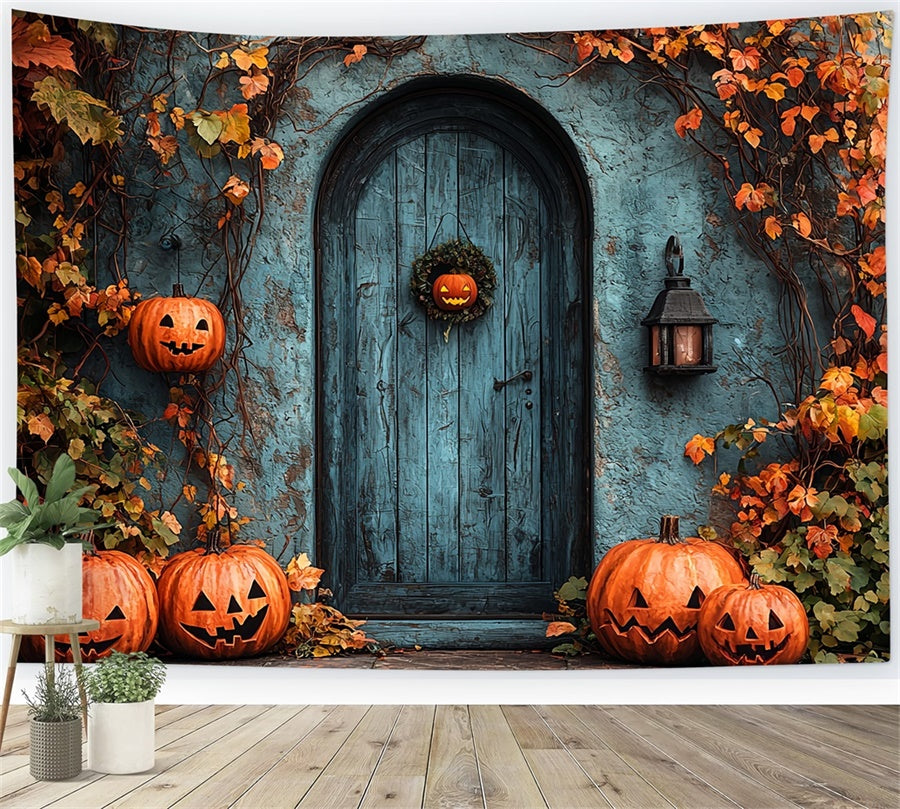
x=454 y=291
x=755 y=625
x=119 y=592
x=226 y=604
x=179 y=334
x=646 y=594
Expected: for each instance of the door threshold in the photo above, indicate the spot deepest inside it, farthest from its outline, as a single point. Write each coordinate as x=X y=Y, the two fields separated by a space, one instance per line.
x=460 y=633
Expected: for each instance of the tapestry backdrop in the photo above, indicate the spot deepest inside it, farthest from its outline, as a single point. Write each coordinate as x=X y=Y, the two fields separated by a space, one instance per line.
x=442 y=322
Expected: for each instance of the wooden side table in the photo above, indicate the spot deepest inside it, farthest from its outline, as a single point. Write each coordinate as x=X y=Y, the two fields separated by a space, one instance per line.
x=49 y=631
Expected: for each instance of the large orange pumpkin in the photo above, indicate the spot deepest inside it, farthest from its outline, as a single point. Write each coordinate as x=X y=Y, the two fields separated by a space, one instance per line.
x=645 y=595
x=179 y=334
x=755 y=624
x=118 y=592
x=454 y=291
x=220 y=603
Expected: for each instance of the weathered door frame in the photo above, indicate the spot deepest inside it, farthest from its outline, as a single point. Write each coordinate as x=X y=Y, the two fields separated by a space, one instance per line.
x=497 y=111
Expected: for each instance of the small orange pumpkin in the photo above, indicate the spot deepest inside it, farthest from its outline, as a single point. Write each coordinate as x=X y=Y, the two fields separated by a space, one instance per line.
x=454 y=291
x=222 y=603
x=178 y=334
x=755 y=624
x=645 y=595
x=118 y=592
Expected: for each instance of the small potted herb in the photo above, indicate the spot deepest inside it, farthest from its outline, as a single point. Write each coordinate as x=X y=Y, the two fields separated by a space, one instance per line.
x=44 y=540
x=55 y=726
x=121 y=722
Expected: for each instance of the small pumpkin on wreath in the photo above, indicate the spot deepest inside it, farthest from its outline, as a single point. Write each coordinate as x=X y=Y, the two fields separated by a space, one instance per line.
x=454 y=281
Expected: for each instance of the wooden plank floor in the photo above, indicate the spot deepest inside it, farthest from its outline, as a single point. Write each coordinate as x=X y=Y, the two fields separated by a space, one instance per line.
x=493 y=757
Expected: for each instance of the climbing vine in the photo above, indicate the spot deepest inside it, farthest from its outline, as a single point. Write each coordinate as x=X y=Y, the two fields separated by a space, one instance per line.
x=792 y=114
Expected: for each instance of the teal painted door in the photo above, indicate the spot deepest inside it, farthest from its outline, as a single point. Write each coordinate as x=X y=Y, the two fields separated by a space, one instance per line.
x=448 y=490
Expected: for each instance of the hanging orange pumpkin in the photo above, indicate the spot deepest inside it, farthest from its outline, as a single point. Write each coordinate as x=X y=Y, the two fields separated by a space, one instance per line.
x=645 y=595
x=222 y=603
x=118 y=592
x=178 y=334
x=755 y=624
x=454 y=291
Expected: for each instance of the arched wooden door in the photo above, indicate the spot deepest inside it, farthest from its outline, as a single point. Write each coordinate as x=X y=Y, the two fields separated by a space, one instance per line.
x=450 y=505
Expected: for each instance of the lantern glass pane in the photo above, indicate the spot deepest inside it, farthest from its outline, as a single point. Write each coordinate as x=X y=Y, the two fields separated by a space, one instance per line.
x=655 y=356
x=688 y=345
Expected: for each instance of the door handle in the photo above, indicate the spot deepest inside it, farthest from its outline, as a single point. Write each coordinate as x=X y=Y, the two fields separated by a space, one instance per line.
x=499 y=384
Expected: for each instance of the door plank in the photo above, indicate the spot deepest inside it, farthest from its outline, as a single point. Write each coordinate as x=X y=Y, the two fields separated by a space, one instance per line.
x=482 y=428
x=288 y=780
x=376 y=378
x=442 y=401
x=412 y=379
x=453 y=781
x=523 y=295
x=507 y=781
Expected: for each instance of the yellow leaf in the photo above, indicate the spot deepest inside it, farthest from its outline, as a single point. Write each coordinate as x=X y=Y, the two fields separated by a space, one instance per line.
x=223 y=61
x=235 y=125
x=775 y=91
x=245 y=60
x=76 y=448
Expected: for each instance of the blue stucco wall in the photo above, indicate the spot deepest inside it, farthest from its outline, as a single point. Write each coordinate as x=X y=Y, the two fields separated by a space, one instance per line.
x=646 y=183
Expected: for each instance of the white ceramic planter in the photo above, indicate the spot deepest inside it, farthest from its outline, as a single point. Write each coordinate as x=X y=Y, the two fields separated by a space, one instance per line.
x=46 y=583
x=121 y=737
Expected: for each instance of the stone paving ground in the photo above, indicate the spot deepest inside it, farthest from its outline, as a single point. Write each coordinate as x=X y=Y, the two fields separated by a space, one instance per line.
x=441 y=659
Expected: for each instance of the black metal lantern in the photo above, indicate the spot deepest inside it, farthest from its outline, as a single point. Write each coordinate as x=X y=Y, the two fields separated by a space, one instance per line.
x=679 y=323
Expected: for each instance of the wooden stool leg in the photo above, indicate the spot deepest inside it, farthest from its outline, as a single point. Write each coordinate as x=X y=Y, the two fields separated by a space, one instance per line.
x=50 y=659
x=10 y=676
x=79 y=676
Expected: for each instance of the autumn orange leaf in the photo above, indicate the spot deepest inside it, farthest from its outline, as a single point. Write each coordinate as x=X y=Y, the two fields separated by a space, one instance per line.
x=838 y=380
x=864 y=320
x=253 y=85
x=41 y=426
x=690 y=120
x=270 y=153
x=246 y=60
x=356 y=55
x=33 y=44
x=802 y=224
x=754 y=199
x=556 y=628
x=698 y=447
x=772 y=227
x=235 y=189
x=301 y=575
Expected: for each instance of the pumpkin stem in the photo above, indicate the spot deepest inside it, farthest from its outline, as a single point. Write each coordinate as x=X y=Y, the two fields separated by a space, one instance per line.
x=668 y=529
x=178 y=291
x=754 y=581
x=212 y=541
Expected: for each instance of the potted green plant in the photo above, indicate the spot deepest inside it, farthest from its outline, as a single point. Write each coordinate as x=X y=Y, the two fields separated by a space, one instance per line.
x=55 y=724
x=121 y=722
x=44 y=543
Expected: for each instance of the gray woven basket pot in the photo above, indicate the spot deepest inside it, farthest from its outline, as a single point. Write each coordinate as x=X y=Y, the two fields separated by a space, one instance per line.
x=55 y=750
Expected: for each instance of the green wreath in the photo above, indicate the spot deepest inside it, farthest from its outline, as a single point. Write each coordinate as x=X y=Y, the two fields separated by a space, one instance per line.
x=454 y=256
